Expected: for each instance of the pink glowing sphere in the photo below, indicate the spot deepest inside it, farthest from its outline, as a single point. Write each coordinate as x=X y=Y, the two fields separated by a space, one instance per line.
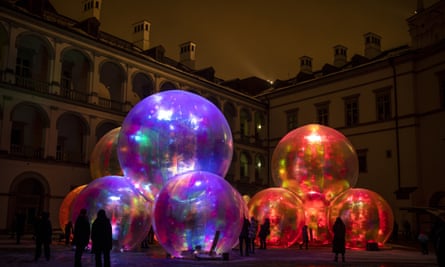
x=367 y=216
x=65 y=207
x=191 y=208
x=129 y=212
x=170 y=133
x=103 y=159
x=285 y=212
x=315 y=158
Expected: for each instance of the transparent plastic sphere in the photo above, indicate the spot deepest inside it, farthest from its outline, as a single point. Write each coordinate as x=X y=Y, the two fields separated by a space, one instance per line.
x=315 y=158
x=191 y=208
x=285 y=212
x=170 y=133
x=129 y=212
x=103 y=159
x=367 y=216
x=65 y=207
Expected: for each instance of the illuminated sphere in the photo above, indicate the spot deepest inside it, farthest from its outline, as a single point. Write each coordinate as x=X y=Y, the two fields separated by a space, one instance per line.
x=170 y=133
x=65 y=207
x=367 y=216
x=285 y=212
x=315 y=158
x=129 y=212
x=191 y=207
x=103 y=159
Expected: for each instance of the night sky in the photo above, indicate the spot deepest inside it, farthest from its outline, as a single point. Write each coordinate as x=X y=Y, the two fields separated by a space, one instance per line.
x=243 y=38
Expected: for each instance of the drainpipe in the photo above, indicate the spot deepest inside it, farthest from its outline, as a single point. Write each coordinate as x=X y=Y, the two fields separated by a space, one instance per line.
x=396 y=120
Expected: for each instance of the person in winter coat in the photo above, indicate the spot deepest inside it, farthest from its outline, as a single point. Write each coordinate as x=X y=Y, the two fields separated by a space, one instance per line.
x=339 y=242
x=264 y=232
x=244 y=238
x=43 y=235
x=101 y=236
x=81 y=236
x=253 y=229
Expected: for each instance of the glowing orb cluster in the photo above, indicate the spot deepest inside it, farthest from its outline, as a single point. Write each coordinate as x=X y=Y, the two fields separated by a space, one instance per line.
x=65 y=207
x=315 y=158
x=128 y=211
x=103 y=159
x=191 y=208
x=285 y=212
x=367 y=217
x=170 y=133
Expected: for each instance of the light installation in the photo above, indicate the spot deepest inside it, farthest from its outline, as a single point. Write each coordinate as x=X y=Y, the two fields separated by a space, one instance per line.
x=191 y=208
x=103 y=159
x=65 y=207
x=129 y=212
x=367 y=216
x=285 y=212
x=170 y=133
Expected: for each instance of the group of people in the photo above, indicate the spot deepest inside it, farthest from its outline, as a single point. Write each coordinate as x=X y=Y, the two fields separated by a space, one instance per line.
x=248 y=234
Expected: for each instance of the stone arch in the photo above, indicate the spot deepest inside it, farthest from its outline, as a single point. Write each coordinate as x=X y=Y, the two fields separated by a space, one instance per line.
x=29 y=193
x=105 y=127
x=72 y=132
x=112 y=78
x=75 y=74
x=167 y=86
x=142 y=85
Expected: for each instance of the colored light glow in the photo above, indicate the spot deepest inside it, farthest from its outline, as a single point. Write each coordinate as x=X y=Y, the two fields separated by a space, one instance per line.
x=286 y=214
x=368 y=217
x=103 y=158
x=177 y=132
x=191 y=207
x=128 y=211
x=315 y=158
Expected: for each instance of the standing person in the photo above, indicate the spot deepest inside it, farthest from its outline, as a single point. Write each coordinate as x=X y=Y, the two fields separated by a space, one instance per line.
x=19 y=226
x=264 y=232
x=423 y=240
x=244 y=237
x=68 y=232
x=101 y=236
x=305 y=237
x=81 y=236
x=253 y=229
x=43 y=236
x=339 y=242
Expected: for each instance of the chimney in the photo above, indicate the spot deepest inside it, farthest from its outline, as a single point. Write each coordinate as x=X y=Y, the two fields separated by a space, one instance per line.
x=187 y=54
x=91 y=9
x=372 y=45
x=306 y=64
x=141 y=34
x=420 y=6
x=340 y=57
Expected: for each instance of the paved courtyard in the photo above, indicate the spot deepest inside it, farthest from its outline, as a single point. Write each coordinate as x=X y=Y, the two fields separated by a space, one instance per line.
x=12 y=255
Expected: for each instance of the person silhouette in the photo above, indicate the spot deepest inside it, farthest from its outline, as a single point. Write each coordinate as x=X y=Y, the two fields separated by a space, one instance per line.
x=244 y=238
x=43 y=236
x=253 y=229
x=264 y=232
x=339 y=241
x=305 y=237
x=81 y=236
x=101 y=236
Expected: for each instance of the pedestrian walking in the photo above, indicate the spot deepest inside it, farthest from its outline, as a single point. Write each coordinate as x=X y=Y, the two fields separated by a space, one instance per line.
x=68 y=231
x=244 y=238
x=81 y=236
x=43 y=233
x=264 y=232
x=305 y=237
x=101 y=236
x=339 y=242
x=253 y=229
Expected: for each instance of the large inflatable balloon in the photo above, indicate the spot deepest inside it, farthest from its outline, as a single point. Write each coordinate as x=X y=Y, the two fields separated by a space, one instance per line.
x=103 y=159
x=128 y=211
x=170 y=133
x=65 y=207
x=193 y=209
x=285 y=211
x=367 y=216
x=315 y=158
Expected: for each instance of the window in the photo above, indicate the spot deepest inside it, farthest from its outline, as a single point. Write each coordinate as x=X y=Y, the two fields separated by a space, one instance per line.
x=322 y=110
x=442 y=93
x=351 y=110
x=292 y=119
x=23 y=67
x=383 y=104
x=362 y=160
